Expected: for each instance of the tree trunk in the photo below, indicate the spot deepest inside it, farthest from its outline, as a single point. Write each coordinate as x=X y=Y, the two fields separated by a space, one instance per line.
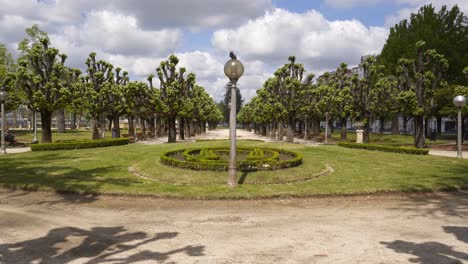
x=405 y=124
x=46 y=125
x=116 y=121
x=344 y=128
x=419 y=140
x=396 y=125
x=73 y=122
x=439 y=125
x=96 y=134
x=382 y=125
x=181 y=129
x=159 y=129
x=151 y=127
x=301 y=129
x=307 y=129
x=131 y=126
x=291 y=129
x=60 y=120
x=273 y=130
x=102 y=127
x=426 y=127
x=171 y=124
x=365 y=135
x=109 y=125
x=280 y=130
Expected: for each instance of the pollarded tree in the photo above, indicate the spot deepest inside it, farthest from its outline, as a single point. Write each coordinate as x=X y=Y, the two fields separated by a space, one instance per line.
x=373 y=95
x=288 y=87
x=173 y=89
x=100 y=78
x=40 y=75
x=420 y=77
x=115 y=99
x=342 y=99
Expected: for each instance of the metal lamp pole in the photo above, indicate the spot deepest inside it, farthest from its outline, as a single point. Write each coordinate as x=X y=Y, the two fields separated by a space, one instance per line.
x=233 y=70
x=459 y=101
x=3 y=98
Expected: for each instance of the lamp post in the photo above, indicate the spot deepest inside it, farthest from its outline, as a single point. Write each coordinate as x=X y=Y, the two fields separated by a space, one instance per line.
x=3 y=98
x=233 y=70
x=459 y=101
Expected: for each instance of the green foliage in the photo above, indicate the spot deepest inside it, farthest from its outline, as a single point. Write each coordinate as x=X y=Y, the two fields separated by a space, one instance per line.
x=444 y=31
x=43 y=78
x=209 y=159
x=385 y=148
x=256 y=154
x=79 y=144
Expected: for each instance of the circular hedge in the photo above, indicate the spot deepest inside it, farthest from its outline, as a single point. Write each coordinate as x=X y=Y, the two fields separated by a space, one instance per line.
x=216 y=158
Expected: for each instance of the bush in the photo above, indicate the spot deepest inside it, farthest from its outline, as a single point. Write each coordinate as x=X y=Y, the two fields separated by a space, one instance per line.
x=81 y=144
x=194 y=159
x=395 y=149
x=256 y=154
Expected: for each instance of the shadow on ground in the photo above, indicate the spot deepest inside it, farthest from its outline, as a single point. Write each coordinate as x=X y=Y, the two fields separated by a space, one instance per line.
x=433 y=252
x=452 y=204
x=97 y=245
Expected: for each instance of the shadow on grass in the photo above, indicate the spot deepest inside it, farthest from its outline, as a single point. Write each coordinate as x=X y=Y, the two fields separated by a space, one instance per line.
x=243 y=177
x=432 y=252
x=97 y=245
x=34 y=173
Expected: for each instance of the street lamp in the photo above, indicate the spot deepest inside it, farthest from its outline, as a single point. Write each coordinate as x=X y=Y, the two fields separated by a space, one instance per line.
x=3 y=98
x=233 y=70
x=459 y=101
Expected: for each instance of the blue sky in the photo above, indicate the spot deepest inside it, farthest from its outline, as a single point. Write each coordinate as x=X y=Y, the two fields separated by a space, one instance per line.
x=137 y=35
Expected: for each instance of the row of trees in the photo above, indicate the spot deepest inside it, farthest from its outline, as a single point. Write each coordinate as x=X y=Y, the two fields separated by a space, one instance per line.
x=409 y=79
x=43 y=82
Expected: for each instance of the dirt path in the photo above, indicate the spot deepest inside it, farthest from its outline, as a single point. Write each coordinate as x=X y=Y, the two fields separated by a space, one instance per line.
x=430 y=228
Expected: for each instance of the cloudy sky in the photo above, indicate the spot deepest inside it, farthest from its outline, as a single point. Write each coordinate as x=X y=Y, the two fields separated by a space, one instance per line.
x=137 y=35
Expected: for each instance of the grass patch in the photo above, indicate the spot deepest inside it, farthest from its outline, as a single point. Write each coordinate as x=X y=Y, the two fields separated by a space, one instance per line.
x=106 y=170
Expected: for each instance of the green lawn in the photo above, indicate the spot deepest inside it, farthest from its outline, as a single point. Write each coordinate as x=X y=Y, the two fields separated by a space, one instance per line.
x=106 y=170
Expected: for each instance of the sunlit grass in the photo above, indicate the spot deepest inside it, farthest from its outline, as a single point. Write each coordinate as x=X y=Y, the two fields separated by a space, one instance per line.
x=106 y=170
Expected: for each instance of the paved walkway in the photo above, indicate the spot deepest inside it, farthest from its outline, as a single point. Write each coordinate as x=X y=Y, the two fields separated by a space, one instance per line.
x=389 y=229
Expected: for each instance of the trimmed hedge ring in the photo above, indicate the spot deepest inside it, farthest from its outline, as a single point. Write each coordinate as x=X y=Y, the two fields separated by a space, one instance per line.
x=216 y=159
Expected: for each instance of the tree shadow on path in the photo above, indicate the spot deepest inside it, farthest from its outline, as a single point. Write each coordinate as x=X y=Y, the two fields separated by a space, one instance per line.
x=433 y=252
x=97 y=245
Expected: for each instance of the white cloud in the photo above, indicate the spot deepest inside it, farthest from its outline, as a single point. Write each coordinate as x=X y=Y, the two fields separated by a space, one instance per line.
x=120 y=34
x=320 y=43
x=350 y=3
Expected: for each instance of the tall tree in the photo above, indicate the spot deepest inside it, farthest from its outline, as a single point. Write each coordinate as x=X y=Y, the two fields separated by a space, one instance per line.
x=173 y=89
x=420 y=76
x=40 y=76
x=99 y=79
x=445 y=31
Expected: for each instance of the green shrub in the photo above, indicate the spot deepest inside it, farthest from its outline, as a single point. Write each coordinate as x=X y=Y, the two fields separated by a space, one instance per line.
x=256 y=154
x=81 y=144
x=193 y=159
x=395 y=149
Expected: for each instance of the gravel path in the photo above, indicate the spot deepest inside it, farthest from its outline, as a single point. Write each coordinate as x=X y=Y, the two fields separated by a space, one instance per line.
x=48 y=228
